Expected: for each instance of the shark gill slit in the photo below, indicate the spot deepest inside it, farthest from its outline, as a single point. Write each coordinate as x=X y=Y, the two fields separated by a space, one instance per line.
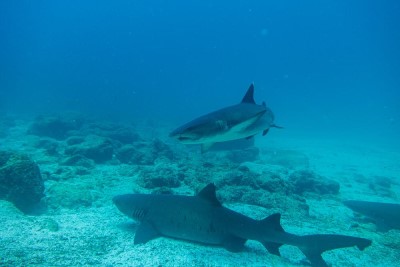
x=138 y=214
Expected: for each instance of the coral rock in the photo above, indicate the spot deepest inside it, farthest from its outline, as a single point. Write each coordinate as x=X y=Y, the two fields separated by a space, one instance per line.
x=56 y=127
x=95 y=147
x=307 y=181
x=20 y=181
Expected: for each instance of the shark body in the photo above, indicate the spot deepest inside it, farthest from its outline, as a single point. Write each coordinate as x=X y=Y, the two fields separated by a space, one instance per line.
x=242 y=120
x=203 y=219
x=385 y=215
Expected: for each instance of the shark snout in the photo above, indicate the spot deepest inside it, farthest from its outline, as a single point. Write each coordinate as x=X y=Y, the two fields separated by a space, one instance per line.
x=122 y=203
x=172 y=134
x=175 y=135
x=130 y=204
x=117 y=201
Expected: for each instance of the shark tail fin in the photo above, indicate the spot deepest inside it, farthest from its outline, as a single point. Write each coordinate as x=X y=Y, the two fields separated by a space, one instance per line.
x=272 y=222
x=314 y=245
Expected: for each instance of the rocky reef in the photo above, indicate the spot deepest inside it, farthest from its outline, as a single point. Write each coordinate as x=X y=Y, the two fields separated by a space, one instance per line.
x=85 y=162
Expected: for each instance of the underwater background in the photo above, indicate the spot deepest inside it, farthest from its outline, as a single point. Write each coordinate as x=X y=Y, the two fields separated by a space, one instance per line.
x=90 y=90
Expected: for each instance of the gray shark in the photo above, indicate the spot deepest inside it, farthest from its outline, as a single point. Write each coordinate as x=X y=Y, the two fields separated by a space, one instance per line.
x=242 y=120
x=203 y=219
x=385 y=215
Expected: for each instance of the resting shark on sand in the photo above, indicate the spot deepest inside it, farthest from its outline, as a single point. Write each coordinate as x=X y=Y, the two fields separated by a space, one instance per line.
x=242 y=120
x=203 y=219
x=385 y=215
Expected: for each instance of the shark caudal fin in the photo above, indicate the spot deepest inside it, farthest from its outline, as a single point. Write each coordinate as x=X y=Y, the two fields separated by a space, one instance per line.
x=314 y=245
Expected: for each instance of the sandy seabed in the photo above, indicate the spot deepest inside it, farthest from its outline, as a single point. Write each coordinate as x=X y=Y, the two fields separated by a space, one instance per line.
x=97 y=234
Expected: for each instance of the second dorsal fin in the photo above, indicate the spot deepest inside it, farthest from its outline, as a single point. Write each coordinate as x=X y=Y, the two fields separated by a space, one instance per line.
x=248 y=97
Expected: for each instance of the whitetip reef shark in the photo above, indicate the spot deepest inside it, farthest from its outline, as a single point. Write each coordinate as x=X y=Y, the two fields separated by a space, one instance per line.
x=203 y=219
x=242 y=120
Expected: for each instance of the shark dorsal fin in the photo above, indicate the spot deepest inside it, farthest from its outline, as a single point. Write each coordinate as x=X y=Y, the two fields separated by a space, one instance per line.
x=248 y=97
x=208 y=193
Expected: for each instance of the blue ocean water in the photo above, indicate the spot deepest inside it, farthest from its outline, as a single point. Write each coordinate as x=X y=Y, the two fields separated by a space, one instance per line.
x=329 y=71
x=322 y=66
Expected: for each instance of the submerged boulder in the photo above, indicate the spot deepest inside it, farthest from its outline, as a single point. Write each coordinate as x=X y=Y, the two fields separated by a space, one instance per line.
x=159 y=149
x=238 y=178
x=115 y=131
x=71 y=195
x=162 y=175
x=49 y=145
x=94 y=147
x=20 y=181
x=290 y=159
x=129 y=154
x=144 y=153
x=267 y=181
x=382 y=186
x=78 y=160
x=240 y=156
x=305 y=181
x=57 y=127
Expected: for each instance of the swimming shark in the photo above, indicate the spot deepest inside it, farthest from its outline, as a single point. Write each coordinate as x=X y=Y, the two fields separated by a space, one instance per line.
x=203 y=219
x=386 y=216
x=242 y=120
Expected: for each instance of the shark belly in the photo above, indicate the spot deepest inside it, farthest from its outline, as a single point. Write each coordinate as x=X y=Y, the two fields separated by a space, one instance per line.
x=239 y=131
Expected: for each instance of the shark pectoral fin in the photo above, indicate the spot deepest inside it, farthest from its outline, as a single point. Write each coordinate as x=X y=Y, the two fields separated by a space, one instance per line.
x=144 y=233
x=272 y=247
x=249 y=137
x=265 y=132
x=248 y=123
x=205 y=147
x=276 y=126
x=272 y=222
x=233 y=243
x=315 y=259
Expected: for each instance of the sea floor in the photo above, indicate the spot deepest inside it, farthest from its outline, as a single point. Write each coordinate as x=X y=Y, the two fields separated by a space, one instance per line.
x=79 y=225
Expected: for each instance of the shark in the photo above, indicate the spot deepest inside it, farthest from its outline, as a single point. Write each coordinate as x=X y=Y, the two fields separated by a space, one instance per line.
x=243 y=120
x=203 y=219
x=386 y=216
